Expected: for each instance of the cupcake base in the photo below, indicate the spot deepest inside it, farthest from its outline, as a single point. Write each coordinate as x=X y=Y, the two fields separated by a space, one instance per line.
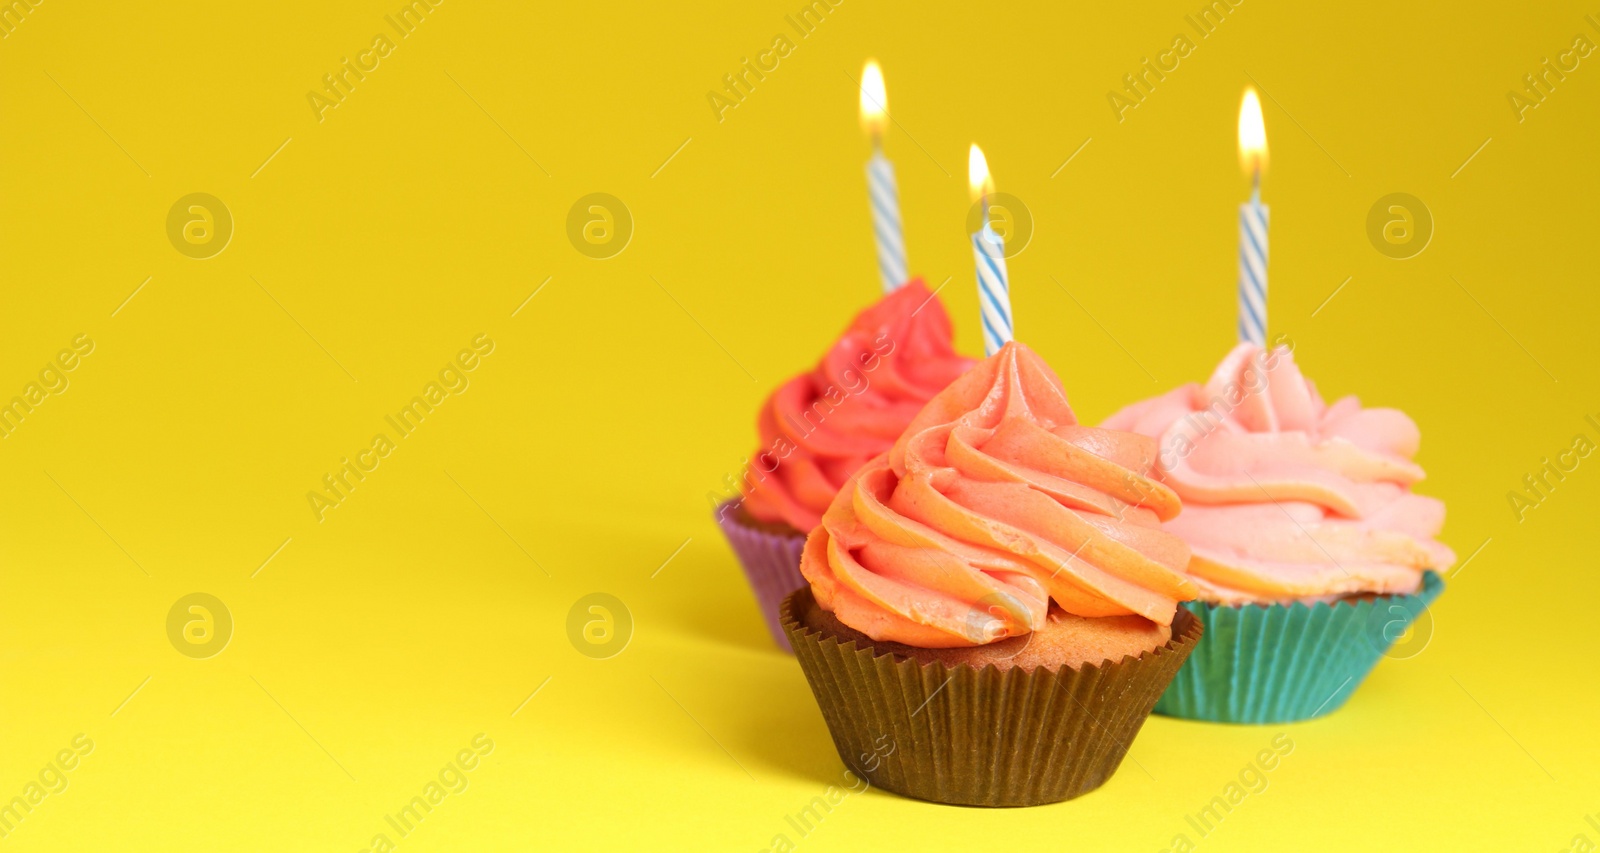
x=1285 y=663
x=980 y=737
x=770 y=555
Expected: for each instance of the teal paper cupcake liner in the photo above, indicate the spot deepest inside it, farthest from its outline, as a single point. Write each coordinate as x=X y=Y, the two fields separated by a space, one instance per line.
x=1284 y=663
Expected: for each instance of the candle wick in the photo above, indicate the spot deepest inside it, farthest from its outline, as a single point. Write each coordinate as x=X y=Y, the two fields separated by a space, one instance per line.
x=1255 y=181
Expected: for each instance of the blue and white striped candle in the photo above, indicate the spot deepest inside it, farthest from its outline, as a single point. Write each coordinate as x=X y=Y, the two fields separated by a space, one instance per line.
x=882 y=190
x=1253 y=270
x=886 y=222
x=988 y=254
x=1253 y=217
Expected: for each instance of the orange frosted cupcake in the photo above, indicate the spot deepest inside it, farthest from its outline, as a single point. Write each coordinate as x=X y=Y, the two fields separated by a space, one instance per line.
x=992 y=606
x=820 y=426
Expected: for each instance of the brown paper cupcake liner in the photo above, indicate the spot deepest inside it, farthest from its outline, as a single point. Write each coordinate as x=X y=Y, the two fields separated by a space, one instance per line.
x=981 y=737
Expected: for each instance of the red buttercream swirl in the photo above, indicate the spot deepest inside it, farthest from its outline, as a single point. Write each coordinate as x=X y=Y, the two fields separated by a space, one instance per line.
x=821 y=426
x=992 y=503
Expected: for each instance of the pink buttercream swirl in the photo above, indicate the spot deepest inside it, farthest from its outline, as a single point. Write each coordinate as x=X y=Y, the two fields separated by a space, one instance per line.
x=1284 y=496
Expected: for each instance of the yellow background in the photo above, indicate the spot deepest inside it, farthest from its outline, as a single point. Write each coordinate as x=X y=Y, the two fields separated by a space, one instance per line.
x=419 y=213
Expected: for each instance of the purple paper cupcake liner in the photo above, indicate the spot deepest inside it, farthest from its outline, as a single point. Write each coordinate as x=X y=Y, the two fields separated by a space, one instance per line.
x=771 y=562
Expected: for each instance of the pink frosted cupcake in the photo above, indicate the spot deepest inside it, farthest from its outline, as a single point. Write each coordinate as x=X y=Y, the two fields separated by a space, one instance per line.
x=818 y=428
x=1310 y=550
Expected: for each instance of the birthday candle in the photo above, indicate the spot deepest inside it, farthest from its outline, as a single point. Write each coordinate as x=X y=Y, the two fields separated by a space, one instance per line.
x=881 y=188
x=988 y=252
x=1252 y=224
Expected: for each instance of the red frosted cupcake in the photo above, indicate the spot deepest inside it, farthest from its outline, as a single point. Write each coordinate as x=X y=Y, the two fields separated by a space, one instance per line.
x=818 y=428
x=993 y=605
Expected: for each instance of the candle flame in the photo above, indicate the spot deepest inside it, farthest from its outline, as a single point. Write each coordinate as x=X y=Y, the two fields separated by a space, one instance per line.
x=1252 y=135
x=978 y=180
x=874 y=100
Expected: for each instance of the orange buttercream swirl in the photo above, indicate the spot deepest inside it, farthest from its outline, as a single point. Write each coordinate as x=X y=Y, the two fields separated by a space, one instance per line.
x=821 y=426
x=1284 y=495
x=992 y=503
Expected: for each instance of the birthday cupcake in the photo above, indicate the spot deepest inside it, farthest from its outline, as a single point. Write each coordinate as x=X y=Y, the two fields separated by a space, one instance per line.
x=1310 y=551
x=992 y=606
x=819 y=427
